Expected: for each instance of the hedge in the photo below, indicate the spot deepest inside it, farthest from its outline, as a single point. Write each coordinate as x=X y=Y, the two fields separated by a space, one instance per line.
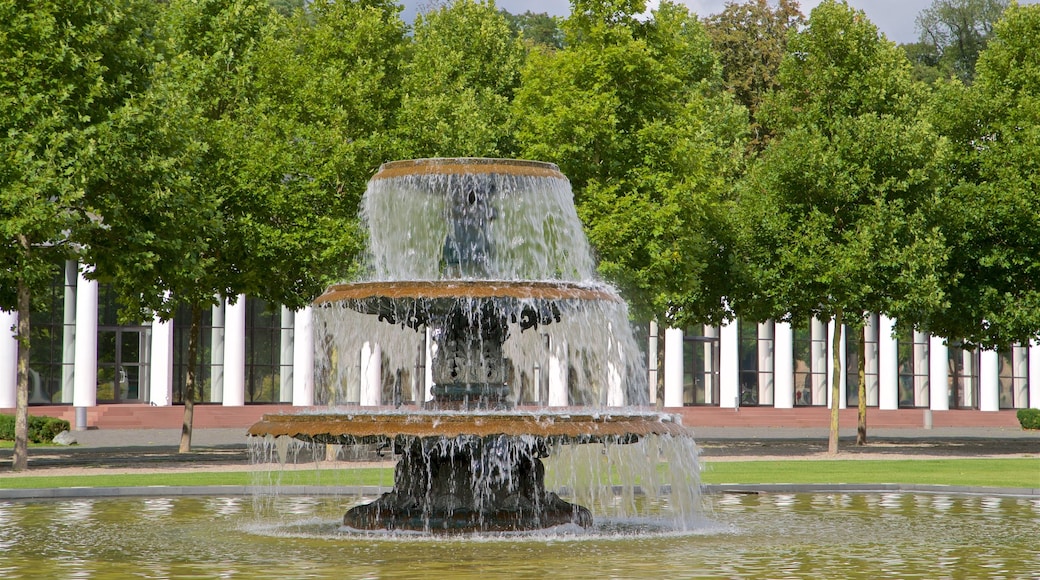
x=41 y=429
x=1029 y=418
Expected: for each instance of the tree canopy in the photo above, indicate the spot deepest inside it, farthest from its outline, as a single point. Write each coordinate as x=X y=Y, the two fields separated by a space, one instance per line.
x=634 y=114
x=988 y=201
x=64 y=65
x=836 y=205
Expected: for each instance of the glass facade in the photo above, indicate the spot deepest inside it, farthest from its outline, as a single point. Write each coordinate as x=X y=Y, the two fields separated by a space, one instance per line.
x=1013 y=373
x=912 y=350
x=700 y=366
x=861 y=341
x=810 y=364
x=963 y=377
x=47 y=331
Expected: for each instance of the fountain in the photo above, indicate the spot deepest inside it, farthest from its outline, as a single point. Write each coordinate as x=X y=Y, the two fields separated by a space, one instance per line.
x=479 y=278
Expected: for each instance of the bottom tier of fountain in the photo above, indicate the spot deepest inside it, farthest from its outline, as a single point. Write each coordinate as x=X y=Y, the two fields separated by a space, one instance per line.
x=467 y=472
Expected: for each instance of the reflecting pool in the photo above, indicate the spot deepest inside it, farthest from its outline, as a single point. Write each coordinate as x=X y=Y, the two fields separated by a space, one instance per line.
x=826 y=535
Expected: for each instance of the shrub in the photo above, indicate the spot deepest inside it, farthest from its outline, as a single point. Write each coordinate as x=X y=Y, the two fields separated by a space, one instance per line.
x=41 y=429
x=1029 y=418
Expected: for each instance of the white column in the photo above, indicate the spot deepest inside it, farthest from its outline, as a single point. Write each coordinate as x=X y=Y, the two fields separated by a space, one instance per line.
x=765 y=363
x=371 y=374
x=216 y=354
x=285 y=358
x=729 y=366
x=783 y=366
x=652 y=362
x=303 y=358
x=989 y=381
x=938 y=374
x=85 y=382
x=235 y=352
x=888 y=364
x=8 y=359
x=160 y=366
x=843 y=377
x=68 y=335
x=673 y=367
x=558 y=379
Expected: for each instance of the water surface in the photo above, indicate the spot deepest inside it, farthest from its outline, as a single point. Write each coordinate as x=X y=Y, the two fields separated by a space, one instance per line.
x=835 y=535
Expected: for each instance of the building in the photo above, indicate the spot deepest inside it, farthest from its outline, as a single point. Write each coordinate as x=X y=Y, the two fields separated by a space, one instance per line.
x=255 y=353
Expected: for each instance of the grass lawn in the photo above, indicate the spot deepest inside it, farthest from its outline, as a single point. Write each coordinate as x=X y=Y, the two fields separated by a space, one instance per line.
x=964 y=472
x=1014 y=472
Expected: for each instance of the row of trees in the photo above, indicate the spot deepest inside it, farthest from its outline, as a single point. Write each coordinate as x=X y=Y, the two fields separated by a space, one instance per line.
x=757 y=163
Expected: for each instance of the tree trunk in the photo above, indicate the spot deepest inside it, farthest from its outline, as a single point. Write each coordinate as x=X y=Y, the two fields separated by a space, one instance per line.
x=20 y=460
x=189 y=382
x=832 y=442
x=861 y=415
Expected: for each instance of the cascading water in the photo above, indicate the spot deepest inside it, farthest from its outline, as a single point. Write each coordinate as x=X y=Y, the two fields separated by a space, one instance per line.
x=481 y=323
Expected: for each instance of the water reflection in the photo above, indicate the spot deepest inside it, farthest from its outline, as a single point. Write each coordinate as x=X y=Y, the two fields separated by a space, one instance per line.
x=747 y=536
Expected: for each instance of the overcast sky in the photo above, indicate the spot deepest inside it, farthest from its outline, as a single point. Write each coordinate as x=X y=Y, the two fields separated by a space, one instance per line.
x=895 y=18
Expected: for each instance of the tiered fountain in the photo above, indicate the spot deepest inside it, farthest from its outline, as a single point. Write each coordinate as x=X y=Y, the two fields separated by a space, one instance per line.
x=482 y=290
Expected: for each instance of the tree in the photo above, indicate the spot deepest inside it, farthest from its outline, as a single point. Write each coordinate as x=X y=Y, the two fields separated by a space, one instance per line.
x=65 y=64
x=834 y=207
x=633 y=113
x=957 y=31
x=458 y=85
x=751 y=40
x=537 y=28
x=988 y=204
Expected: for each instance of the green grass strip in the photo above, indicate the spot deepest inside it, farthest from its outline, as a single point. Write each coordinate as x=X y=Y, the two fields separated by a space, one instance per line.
x=360 y=476
x=1015 y=472
x=1002 y=472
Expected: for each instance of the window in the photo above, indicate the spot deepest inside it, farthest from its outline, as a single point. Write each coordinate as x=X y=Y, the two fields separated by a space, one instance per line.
x=755 y=355
x=263 y=352
x=854 y=340
x=47 y=331
x=700 y=366
x=913 y=368
x=810 y=364
x=963 y=377
x=207 y=370
x=1014 y=378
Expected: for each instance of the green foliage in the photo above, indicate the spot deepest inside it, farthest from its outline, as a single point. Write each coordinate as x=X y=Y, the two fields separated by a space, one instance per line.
x=633 y=114
x=987 y=209
x=835 y=208
x=459 y=82
x=1029 y=418
x=41 y=429
x=64 y=65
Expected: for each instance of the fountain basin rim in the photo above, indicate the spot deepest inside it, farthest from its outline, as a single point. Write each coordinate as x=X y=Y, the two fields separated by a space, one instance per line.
x=476 y=289
x=376 y=426
x=467 y=165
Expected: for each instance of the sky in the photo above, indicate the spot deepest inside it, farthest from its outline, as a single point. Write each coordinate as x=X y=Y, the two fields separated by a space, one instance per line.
x=895 y=18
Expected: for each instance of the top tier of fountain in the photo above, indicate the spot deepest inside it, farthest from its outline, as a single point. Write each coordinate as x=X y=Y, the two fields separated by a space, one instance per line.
x=474 y=219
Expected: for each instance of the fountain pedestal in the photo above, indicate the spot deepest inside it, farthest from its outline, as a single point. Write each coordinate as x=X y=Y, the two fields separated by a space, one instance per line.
x=465 y=485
